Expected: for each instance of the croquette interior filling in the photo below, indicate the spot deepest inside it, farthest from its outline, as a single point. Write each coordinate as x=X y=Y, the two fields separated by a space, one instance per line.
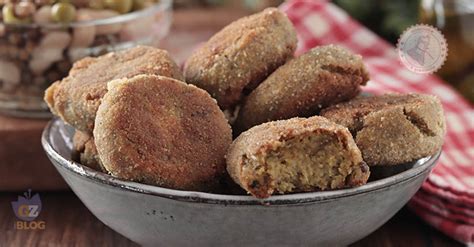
x=306 y=163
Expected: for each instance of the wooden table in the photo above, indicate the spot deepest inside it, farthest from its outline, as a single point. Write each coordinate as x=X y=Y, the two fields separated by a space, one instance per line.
x=69 y=223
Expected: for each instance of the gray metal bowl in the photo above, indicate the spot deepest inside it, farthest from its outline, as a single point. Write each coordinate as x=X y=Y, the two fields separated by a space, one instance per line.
x=151 y=215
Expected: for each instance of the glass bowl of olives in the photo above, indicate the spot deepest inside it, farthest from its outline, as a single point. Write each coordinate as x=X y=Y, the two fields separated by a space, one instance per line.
x=41 y=39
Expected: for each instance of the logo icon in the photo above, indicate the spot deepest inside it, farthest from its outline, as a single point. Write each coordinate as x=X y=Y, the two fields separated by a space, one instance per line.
x=422 y=49
x=27 y=208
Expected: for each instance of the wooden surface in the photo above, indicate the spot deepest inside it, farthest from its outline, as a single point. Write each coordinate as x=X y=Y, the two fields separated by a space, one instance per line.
x=69 y=223
x=23 y=163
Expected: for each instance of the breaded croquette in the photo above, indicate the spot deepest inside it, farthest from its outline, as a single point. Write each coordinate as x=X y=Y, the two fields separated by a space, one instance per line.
x=392 y=129
x=240 y=56
x=161 y=131
x=302 y=87
x=295 y=155
x=76 y=98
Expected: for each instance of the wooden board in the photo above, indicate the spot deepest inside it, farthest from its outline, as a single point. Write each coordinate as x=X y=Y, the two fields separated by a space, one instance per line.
x=23 y=163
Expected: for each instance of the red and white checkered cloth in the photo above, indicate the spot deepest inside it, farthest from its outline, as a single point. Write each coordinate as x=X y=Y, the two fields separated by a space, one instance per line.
x=446 y=199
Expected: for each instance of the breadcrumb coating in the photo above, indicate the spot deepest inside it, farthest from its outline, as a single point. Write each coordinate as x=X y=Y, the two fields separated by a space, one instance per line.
x=236 y=59
x=77 y=97
x=302 y=87
x=392 y=129
x=161 y=131
x=85 y=152
x=294 y=155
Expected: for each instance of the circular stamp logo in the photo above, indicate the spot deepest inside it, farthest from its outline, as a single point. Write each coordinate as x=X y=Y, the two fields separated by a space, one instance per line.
x=422 y=49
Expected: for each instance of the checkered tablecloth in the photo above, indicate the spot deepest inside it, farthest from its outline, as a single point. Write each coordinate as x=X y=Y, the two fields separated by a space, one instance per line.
x=446 y=199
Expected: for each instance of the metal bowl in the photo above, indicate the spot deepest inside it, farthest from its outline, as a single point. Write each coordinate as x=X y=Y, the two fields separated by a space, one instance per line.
x=151 y=215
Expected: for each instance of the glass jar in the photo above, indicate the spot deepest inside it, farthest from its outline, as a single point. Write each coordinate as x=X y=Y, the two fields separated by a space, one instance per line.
x=32 y=56
x=455 y=19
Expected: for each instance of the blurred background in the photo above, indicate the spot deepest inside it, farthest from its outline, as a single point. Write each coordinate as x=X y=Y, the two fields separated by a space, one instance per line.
x=454 y=18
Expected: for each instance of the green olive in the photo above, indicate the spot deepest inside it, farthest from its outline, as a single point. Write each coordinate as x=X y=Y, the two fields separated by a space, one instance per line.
x=121 y=6
x=63 y=12
x=9 y=17
x=43 y=2
x=139 y=4
x=142 y=4
x=96 y=4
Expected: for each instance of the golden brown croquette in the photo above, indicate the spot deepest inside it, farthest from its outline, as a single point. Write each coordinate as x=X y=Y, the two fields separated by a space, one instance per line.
x=393 y=128
x=161 y=131
x=85 y=152
x=294 y=155
x=319 y=78
x=76 y=98
x=241 y=55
